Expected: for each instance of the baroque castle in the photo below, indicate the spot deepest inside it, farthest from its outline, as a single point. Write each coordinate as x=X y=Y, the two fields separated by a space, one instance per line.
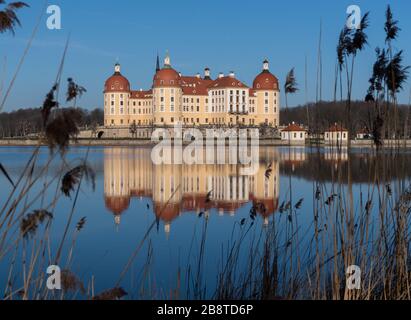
x=192 y=100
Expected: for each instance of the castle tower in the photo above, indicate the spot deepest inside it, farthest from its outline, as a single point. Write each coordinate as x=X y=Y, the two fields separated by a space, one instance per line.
x=167 y=95
x=116 y=181
x=116 y=99
x=267 y=91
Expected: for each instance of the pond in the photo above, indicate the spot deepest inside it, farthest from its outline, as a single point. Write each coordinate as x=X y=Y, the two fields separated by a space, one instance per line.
x=202 y=231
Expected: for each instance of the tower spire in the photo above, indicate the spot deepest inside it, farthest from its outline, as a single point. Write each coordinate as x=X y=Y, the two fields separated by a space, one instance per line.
x=158 y=63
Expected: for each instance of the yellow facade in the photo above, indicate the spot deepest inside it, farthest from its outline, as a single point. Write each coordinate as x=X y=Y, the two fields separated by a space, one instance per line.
x=176 y=189
x=192 y=101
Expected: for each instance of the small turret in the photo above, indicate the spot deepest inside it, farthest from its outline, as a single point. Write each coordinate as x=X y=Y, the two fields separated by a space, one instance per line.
x=266 y=65
x=117 y=68
x=207 y=74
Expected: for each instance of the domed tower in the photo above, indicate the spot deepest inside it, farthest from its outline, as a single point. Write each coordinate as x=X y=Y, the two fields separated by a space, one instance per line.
x=116 y=99
x=267 y=90
x=266 y=190
x=116 y=181
x=167 y=191
x=167 y=95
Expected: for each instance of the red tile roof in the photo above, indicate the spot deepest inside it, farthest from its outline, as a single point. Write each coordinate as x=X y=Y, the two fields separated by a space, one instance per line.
x=141 y=94
x=227 y=82
x=168 y=212
x=266 y=81
x=117 y=205
x=194 y=86
x=336 y=128
x=293 y=127
x=117 y=83
x=166 y=77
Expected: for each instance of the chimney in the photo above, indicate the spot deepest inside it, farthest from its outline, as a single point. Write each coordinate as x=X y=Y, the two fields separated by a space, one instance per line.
x=232 y=74
x=198 y=76
x=221 y=75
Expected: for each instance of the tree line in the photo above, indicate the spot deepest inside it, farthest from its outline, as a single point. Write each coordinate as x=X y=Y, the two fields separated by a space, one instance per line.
x=363 y=114
x=26 y=122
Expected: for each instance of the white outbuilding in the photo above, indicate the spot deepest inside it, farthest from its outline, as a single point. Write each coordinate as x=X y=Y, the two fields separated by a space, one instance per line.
x=336 y=135
x=294 y=134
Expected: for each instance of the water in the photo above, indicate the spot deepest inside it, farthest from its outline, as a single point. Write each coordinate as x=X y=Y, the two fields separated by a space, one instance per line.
x=132 y=196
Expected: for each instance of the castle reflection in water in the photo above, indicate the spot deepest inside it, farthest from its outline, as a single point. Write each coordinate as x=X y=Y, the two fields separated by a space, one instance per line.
x=177 y=189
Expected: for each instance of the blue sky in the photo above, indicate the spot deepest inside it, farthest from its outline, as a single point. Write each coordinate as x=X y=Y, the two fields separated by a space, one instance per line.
x=223 y=35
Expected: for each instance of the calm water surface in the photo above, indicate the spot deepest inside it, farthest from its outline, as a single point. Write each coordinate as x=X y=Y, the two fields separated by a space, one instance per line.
x=131 y=194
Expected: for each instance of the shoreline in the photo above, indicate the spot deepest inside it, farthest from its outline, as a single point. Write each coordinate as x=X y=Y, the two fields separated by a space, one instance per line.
x=148 y=143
